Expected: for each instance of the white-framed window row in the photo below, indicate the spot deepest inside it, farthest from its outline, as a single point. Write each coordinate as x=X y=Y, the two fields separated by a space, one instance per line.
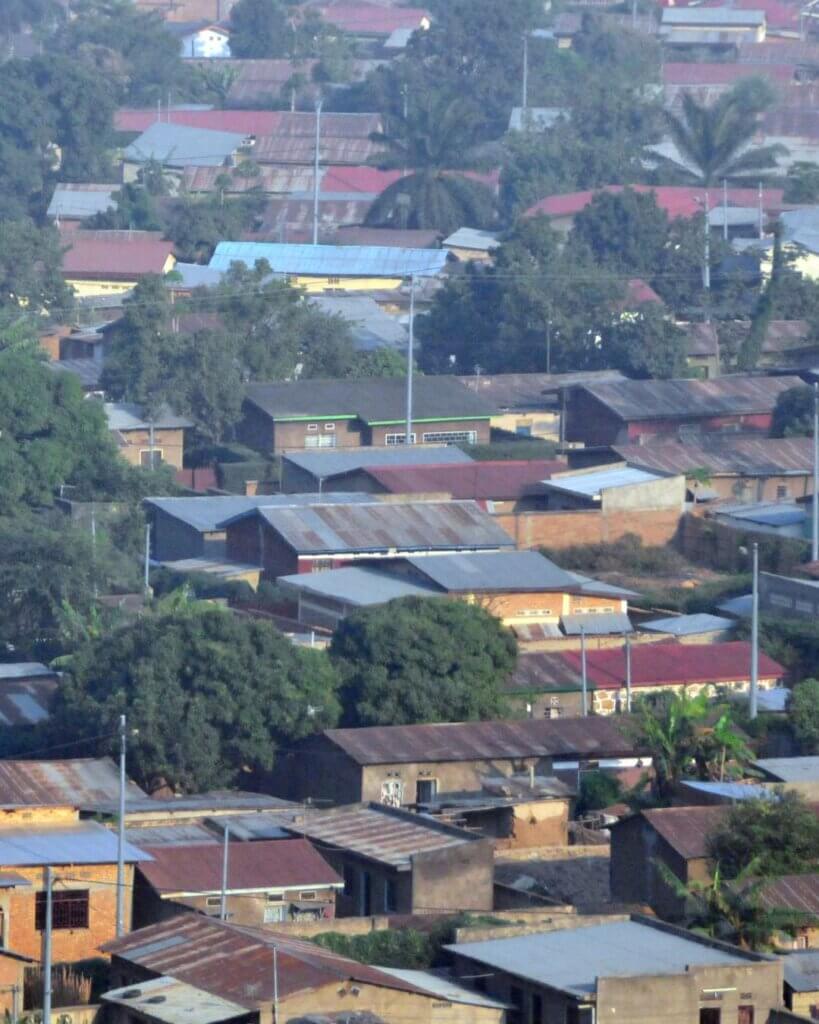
x=450 y=437
x=391 y=439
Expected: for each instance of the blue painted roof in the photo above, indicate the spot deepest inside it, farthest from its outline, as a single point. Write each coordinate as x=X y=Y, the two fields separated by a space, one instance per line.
x=76 y=842
x=688 y=625
x=332 y=260
x=731 y=790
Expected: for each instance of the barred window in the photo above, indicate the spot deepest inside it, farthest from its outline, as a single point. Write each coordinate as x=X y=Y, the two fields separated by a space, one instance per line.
x=69 y=909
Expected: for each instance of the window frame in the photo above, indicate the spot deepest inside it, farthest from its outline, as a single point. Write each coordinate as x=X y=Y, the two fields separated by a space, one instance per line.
x=70 y=909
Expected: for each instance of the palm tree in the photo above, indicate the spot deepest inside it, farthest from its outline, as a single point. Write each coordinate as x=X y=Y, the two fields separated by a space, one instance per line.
x=715 y=143
x=431 y=144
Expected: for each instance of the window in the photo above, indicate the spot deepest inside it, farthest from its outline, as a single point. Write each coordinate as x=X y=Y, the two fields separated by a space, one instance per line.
x=391 y=897
x=274 y=897
x=311 y=427
x=399 y=438
x=781 y=492
x=274 y=913
x=308 y=895
x=329 y=427
x=425 y=790
x=150 y=458
x=69 y=909
x=392 y=792
x=320 y=441
x=213 y=901
x=451 y=437
x=333 y=280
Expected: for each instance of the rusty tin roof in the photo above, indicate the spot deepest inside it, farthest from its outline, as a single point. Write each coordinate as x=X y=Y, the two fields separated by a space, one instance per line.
x=85 y=783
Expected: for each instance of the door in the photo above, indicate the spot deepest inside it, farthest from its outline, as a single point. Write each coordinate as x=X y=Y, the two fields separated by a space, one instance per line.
x=710 y=1015
x=745 y=1015
x=425 y=790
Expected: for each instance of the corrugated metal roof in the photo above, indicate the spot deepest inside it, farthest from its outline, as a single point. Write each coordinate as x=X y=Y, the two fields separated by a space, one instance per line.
x=87 y=370
x=373 y=19
x=83 y=783
x=676 y=200
x=183 y=834
x=573 y=959
x=791 y=892
x=130 y=416
x=495 y=481
x=176 y=145
x=278 y=864
x=544 y=672
x=406 y=238
x=633 y=400
x=380 y=834
x=26 y=701
x=206 y=512
x=194 y=276
x=530 y=391
x=730 y=792
x=472 y=238
x=300 y=150
x=236 y=962
x=25 y=670
x=744 y=456
x=712 y=17
x=271 y=180
x=173 y=1002
x=592 y=485
x=355 y=586
x=81 y=842
x=374 y=400
x=236 y=122
x=481 y=741
x=599 y=624
x=77 y=201
x=790 y=769
x=384 y=527
x=688 y=625
x=687 y=829
x=370 y=325
x=327 y=464
x=674 y=664
x=114 y=254
x=802 y=970
x=495 y=571
x=445 y=988
x=334 y=260
x=767 y=513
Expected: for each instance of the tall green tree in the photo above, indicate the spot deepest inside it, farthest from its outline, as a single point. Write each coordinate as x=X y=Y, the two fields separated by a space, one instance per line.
x=625 y=230
x=645 y=342
x=439 y=135
x=715 y=142
x=793 y=413
x=260 y=28
x=422 y=660
x=779 y=836
x=803 y=715
x=212 y=695
x=31 y=270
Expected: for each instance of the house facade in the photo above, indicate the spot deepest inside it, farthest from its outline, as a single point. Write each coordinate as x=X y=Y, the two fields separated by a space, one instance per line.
x=146 y=444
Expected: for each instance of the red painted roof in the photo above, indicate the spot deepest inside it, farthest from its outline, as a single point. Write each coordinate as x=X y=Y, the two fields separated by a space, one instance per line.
x=373 y=19
x=494 y=481
x=638 y=292
x=676 y=200
x=697 y=73
x=673 y=664
x=114 y=254
x=274 y=864
x=245 y=122
x=367 y=180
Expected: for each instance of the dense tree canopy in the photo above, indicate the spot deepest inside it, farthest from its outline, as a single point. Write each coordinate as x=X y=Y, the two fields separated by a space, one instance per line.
x=260 y=28
x=777 y=837
x=793 y=413
x=212 y=695
x=422 y=660
x=803 y=715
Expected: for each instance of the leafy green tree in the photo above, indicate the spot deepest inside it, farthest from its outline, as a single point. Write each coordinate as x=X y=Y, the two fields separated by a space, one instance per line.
x=208 y=382
x=260 y=28
x=379 y=362
x=422 y=660
x=777 y=836
x=597 y=790
x=195 y=226
x=26 y=131
x=30 y=269
x=135 y=210
x=803 y=715
x=646 y=343
x=793 y=413
x=212 y=695
x=802 y=183
x=625 y=230
x=438 y=136
x=716 y=140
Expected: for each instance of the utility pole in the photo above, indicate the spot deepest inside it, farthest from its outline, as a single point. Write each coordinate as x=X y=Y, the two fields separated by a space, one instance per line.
x=761 y=216
x=275 y=984
x=316 y=174
x=121 y=832
x=47 y=950
x=814 y=547
x=725 y=209
x=583 y=679
x=410 y=343
x=754 y=634
x=549 y=343
x=628 y=673
x=223 y=901
x=706 y=268
x=146 y=581
x=94 y=547
x=525 y=84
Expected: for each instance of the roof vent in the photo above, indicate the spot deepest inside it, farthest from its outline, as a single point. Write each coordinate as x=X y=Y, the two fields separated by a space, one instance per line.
x=156 y=999
x=132 y=993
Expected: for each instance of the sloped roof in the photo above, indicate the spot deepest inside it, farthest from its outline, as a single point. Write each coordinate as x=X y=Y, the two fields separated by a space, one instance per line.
x=741 y=456
x=687 y=829
x=83 y=783
x=76 y=842
x=593 y=483
x=237 y=122
x=674 y=664
x=480 y=741
x=530 y=391
x=688 y=625
x=676 y=200
x=274 y=864
x=335 y=260
x=114 y=254
x=791 y=892
x=171 y=1001
x=712 y=17
x=681 y=73
x=177 y=145
x=383 y=527
x=76 y=201
x=495 y=481
x=802 y=970
x=357 y=586
x=374 y=399
x=373 y=19
x=124 y=416
x=495 y=571
x=236 y=962
x=335 y=462
x=204 y=513
x=634 y=400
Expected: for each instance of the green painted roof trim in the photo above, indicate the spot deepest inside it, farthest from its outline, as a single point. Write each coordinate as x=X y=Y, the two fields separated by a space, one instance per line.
x=434 y=419
x=314 y=419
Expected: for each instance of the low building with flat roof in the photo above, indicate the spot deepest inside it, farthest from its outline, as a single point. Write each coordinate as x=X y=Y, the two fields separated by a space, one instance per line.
x=631 y=970
x=614 y=488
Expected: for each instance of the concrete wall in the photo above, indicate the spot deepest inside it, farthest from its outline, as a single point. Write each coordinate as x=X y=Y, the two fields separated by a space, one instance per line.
x=169 y=443
x=667 y=492
x=792 y=598
x=456 y=878
x=565 y=529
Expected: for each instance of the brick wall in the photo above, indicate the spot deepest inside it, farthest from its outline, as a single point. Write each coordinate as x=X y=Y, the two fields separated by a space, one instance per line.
x=564 y=529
